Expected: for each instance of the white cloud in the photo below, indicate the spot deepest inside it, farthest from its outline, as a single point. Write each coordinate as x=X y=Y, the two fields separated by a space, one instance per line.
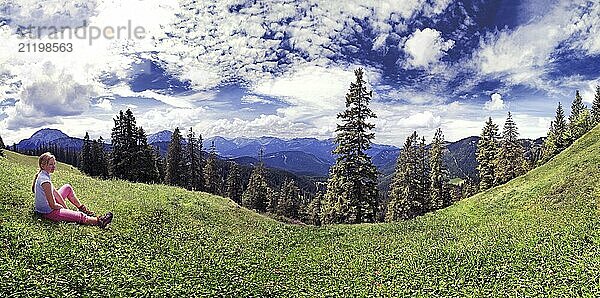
x=249 y=99
x=524 y=55
x=412 y=97
x=156 y=120
x=104 y=104
x=587 y=88
x=186 y=101
x=314 y=86
x=214 y=43
x=52 y=95
x=496 y=103
x=426 y=47
x=51 y=13
x=50 y=84
x=263 y=125
x=420 y=120
x=588 y=28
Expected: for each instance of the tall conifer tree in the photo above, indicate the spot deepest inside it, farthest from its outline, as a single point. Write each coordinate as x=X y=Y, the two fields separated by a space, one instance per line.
x=487 y=154
x=211 y=172
x=175 y=163
x=145 y=169
x=124 y=140
x=405 y=201
x=352 y=186
x=314 y=210
x=1 y=146
x=289 y=200
x=422 y=175
x=160 y=164
x=256 y=194
x=85 y=156
x=273 y=199
x=234 y=183
x=99 y=158
x=510 y=161
x=195 y=174
x=578 y=119
x=557 y=138
x=596 y=107
x=438 y=191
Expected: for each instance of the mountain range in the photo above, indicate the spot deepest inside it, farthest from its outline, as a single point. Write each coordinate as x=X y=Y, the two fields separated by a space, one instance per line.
x=301 y=156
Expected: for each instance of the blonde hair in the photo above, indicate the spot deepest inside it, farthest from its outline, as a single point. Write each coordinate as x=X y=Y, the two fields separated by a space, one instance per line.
x=43 y=160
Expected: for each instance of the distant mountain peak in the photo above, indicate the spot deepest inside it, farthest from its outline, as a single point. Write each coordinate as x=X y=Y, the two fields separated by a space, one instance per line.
x=48 y=134
x=161 y=136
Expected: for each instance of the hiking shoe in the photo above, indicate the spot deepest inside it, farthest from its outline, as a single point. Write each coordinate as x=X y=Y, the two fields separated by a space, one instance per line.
x=86 y=211
x=105 y=219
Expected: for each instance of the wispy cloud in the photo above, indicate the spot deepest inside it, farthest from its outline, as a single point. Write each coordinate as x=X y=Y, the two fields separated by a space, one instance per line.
x=525 y=55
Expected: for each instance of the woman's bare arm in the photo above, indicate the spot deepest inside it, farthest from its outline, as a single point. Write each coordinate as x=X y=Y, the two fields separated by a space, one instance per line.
x=47 y=187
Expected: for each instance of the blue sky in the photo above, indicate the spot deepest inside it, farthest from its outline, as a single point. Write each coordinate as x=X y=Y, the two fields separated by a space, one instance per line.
x=282 y=68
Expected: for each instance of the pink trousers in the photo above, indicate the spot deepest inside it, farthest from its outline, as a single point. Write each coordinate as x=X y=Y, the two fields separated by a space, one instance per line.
x=64 y=214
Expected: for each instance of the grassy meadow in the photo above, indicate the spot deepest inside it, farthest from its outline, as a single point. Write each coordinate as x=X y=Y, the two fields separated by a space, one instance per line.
x=538 y=235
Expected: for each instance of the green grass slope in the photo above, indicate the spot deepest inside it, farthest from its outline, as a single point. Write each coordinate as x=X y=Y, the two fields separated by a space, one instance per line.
x=537 y=235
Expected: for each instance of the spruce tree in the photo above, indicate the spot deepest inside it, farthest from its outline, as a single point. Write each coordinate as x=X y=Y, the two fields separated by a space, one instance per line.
x=211 y=172
x=144 y=160
x=595 y=108
x=234 y=183
x=404 y=201
x=487 y=153
x=470 y=188
x=1 y=146
x=510 y=161
x=85 y=157
x=557 y=138
x=422 y=175
x=289 y=200
x=194 y=162
x=549 y=148
x=175 y=163
x=99 y=158
x=579 y=118
x=561 y=129
x=117 y=155
x=582 y=124
x=255 y=195
x=124 y=140
x=314 y=210
x=438 y=190
x=160 y=164
x=352 y=186
x=273 y=199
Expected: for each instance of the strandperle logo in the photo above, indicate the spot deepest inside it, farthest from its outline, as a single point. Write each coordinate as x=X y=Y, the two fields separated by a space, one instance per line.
x=85 y=31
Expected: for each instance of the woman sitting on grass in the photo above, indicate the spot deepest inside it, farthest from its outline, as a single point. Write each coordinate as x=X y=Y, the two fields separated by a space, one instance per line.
x=50 y=203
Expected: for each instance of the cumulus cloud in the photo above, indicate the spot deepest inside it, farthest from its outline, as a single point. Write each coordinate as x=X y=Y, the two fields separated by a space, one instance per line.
x=53 y=95
x=104 y=104
x=425 y=119
x=426 y=47
x=496 y=103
